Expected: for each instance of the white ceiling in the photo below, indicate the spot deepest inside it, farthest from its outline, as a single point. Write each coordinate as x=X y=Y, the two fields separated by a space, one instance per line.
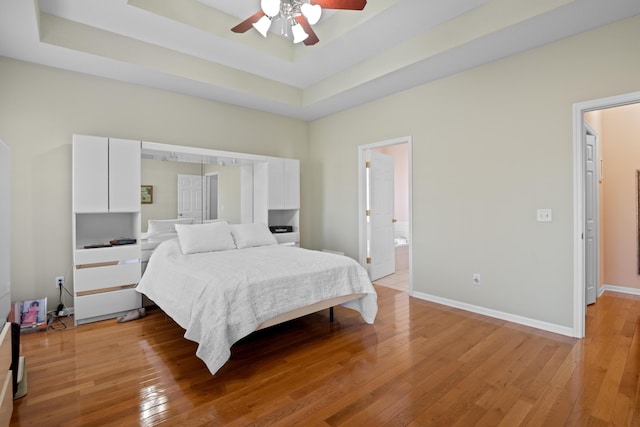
x=186 y=46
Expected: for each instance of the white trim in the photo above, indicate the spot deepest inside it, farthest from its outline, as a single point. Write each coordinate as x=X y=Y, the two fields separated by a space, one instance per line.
x=620 y=289
x=533 y=323
x=362 y=191
x=579 y=309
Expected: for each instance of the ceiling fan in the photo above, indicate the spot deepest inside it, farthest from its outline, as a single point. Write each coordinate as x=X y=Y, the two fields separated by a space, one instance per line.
x=297 y=16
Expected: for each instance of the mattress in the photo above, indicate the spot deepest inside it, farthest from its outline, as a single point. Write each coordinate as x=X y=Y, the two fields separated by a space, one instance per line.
x=220 y=297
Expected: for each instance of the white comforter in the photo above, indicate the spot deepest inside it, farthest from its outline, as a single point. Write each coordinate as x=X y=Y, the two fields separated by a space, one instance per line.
x=220 y=297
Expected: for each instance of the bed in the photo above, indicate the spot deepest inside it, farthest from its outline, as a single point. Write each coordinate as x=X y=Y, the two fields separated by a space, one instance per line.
x=221 y=282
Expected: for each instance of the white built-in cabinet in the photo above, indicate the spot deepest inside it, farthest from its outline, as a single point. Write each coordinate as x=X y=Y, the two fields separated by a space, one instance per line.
x=6 y=376
x=106 y=206
x=284 y=183
x=283 y=178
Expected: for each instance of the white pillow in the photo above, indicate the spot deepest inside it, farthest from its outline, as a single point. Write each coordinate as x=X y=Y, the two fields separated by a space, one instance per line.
x=160 y=226
x=249 y=235
x=195 y=238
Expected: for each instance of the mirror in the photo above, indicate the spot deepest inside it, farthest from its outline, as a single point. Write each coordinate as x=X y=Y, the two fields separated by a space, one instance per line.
x=198 y=183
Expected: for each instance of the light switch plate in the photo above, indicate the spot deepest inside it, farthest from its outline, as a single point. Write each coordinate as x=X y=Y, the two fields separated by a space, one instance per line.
x=544 y=215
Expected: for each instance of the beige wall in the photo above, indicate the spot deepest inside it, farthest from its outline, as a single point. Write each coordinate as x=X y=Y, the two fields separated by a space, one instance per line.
x=40 y=108
x=482 y=166
x=620 y=142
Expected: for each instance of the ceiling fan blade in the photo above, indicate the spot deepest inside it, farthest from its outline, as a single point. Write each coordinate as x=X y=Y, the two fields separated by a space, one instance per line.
x=313 y=38
x=247 y=23
x=341 y=4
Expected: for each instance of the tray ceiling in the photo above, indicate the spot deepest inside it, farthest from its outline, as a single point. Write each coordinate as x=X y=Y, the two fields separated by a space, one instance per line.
x=186 y=46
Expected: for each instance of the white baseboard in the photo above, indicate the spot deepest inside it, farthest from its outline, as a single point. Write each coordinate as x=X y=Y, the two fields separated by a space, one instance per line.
x=538 y=324
x=620 y=289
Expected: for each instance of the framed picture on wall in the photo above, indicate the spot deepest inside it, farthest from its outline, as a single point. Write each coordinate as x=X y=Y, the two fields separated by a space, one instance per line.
x=146 y=194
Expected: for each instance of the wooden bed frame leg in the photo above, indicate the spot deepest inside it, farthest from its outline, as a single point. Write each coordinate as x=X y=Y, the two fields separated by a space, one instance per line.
x=331 y=314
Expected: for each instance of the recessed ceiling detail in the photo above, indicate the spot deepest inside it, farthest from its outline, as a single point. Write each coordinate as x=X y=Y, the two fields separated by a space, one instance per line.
x=186 y=46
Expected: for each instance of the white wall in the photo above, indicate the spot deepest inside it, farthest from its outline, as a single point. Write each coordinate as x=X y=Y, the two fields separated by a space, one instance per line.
x=40 y=108
x=490 y=145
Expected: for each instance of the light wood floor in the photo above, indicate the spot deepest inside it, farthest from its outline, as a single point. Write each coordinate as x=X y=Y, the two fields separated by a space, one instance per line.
x=421 y=364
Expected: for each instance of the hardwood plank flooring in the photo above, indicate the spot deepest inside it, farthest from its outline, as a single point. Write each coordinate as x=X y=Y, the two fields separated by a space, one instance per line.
x=420 y=364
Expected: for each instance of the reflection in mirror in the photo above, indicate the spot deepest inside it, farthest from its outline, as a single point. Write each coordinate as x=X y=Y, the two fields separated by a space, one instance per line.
x=222 y=191
x=174 y=197
x=232 y=174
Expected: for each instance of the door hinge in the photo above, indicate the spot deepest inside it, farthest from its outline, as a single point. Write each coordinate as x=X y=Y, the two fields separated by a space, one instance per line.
x=368 y=260
x=367 y=165
x=368 y=212
x=394 y=220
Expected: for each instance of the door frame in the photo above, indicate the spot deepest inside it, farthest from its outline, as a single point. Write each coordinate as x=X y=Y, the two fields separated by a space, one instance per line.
x=362 y=198
x=579 y=307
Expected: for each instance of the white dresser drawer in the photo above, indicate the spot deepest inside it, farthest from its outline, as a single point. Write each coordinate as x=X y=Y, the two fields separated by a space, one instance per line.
x=6 y=399
x=6 y=376
x=100 y=255
x=93 y=278
x=109 y=304
x=5 y=347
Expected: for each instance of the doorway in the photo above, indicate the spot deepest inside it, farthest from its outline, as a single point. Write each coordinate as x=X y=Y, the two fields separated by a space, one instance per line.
x=399 y=235
x=211 y=196
x=581 y=263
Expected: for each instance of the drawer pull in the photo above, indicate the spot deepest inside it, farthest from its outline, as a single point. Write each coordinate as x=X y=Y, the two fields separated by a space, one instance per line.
x=103 y=290
x=108 y=263
x=96 y=264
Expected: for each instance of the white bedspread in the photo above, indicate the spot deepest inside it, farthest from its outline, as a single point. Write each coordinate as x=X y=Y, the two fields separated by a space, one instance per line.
x=220 y=297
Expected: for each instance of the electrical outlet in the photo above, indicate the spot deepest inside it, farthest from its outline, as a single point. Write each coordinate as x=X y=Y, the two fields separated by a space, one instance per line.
x=59 y=282
x=476 y=279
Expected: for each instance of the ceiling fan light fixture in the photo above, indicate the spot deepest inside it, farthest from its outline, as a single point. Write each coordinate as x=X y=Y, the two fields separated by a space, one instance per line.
x=311 y=12
x=263 y=25
x=270 y=7
x=299 y=35
x=296 y=16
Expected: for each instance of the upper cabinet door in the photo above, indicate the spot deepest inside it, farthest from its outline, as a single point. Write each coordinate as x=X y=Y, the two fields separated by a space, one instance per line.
x=124 y=175
x=291 y=184
x=276 y=182
x=90 y=174
x=284 y=183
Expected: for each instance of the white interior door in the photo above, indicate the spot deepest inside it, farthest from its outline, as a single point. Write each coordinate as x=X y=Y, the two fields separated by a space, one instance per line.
x=591 y=218
x=381 y=212
x=189 y=196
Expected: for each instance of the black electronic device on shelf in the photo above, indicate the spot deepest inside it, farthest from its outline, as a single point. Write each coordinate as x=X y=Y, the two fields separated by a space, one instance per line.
x=281 y=228
x=122 y=241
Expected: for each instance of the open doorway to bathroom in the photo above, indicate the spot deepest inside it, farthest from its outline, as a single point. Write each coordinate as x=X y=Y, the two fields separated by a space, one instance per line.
x=398 y=152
